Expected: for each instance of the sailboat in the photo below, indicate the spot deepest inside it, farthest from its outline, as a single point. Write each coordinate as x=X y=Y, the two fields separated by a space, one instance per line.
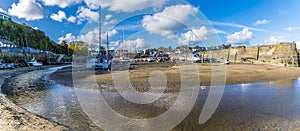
x=101 y=61
x=123 y=58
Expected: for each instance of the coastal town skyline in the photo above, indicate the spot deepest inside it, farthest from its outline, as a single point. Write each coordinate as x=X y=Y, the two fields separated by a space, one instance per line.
x=238 y=23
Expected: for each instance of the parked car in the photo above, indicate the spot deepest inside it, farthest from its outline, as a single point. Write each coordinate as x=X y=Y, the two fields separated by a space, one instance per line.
x=33 y=62
x=7 y=66
x=98 y=63
x=1 y=66
x=16 y=64
x=22 y=63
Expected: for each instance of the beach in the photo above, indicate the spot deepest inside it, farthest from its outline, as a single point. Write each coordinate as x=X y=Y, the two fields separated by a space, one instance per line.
x=235 y=74
x=15 y=118
x=12 y=117
x=243 y=106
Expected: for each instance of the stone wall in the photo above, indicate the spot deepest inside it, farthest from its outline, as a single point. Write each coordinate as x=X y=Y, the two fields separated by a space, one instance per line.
x=283 y=54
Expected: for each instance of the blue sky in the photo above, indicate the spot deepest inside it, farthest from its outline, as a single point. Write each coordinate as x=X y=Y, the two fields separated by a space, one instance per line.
x=157 y=23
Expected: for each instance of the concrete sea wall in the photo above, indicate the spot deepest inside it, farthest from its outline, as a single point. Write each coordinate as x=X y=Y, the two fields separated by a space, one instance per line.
x=283 y=54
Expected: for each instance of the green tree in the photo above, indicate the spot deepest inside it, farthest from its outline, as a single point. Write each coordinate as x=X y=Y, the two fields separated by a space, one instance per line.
x=71 y=49
x=197 y=47
x=227 y=46
x=23 y=35
x=81 y=48
x=161 y=48
x=64 y=47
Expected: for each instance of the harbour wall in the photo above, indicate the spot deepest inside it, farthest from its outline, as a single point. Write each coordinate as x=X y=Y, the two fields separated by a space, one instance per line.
x=282 y=54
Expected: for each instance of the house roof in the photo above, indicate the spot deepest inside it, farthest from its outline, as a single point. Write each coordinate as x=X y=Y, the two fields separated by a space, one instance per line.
x=7 y=42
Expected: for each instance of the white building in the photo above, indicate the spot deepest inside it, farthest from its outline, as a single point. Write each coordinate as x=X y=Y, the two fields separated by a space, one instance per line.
x=6 y=44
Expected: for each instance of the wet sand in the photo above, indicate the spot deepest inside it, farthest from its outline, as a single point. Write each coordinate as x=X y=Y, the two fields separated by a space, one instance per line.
x=250 y=108
x=139 y=75
x=14 y=118
x=235 y=74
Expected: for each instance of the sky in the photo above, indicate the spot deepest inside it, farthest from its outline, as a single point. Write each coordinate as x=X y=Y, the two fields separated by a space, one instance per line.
x=155 y=23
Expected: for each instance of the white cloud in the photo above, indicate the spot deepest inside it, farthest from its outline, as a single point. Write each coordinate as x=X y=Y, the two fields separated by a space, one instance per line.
x=200 y=34
x=72 y=19
x=132 y=45
x=242 y=37
x=170 y=21
x=108 y=17
x=60 y=16
x=114 y=45
x=1 y=10
x=27 y=9
x=298 y=44
x=86 y=14
x=134 y=5
x=111 y=22
x=61 y=3
x=235 y=25
x=95 y=4
x=36 y=28
x=68 y=38
x=195 y=35
x=216 y=31
x=111 y=33
x=261 y=22
x=292 y=29
x=92 y=37
x=274 y=40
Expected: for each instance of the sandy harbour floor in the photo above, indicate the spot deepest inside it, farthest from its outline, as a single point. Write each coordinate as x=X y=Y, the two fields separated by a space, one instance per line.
x=14 y=118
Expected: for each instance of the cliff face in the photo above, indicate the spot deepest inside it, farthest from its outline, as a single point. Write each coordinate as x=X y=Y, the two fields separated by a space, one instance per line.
x=283 y=54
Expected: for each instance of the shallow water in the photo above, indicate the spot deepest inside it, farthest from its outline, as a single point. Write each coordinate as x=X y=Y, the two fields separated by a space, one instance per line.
x=268 y=105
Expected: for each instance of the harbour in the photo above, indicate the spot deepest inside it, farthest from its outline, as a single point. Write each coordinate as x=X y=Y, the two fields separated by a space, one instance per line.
x=241 y=107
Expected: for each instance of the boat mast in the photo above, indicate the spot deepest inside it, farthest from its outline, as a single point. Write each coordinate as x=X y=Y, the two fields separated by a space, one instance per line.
x=119 y=45
x=123 y=42
x=191 y=37
x=100 y=39
x=107 y=42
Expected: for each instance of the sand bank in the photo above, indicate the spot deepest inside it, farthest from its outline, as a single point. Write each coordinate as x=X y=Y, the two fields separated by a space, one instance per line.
x=235 y=74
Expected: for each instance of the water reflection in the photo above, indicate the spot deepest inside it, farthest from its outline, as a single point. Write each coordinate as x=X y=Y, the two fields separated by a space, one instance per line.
x=267 y=106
